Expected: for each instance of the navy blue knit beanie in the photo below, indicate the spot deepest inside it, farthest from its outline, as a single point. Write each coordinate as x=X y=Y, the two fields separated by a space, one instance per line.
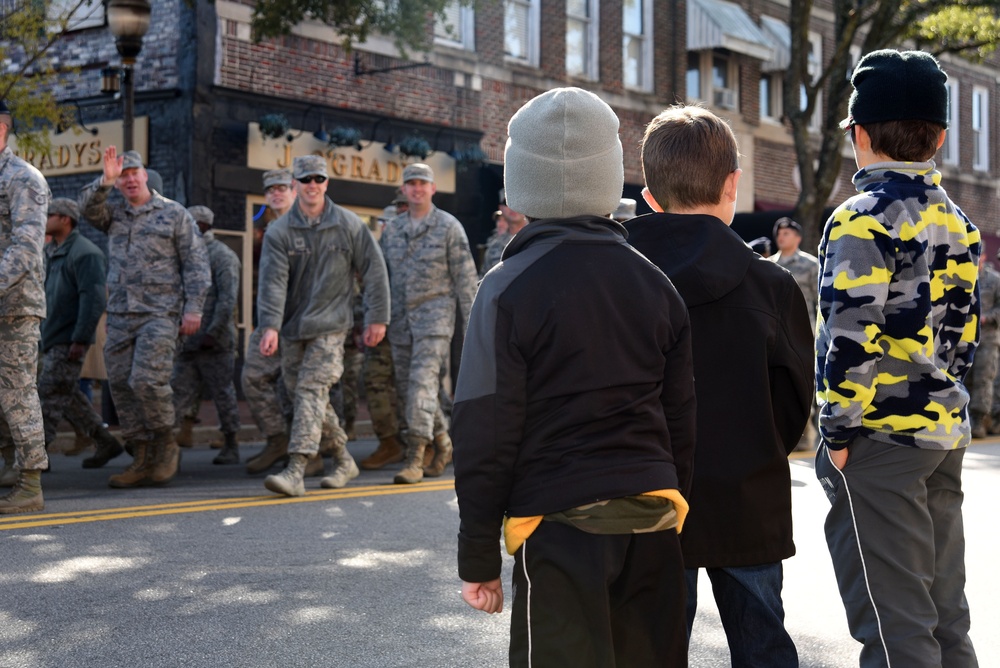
x=894 y=85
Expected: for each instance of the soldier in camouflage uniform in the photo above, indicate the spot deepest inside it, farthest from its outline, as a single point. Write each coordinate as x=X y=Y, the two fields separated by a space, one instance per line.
x=509 y=223
x=983 y=373
x=158 y=276
x=209 y=355
x=24 y=202
x=804 y=268
x=430 y=269
x=306 y=292
x=262 y=385
x=75 y=296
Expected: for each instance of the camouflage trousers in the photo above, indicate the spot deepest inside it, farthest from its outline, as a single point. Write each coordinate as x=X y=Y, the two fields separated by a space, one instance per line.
x=418 y=369
x=380 y=390
x=981 y=376
x=20 y=409
x=344 y=393
x=212 y=369
x=61 y=396
x=264 y=390
x=309 y=369
x=139 y=356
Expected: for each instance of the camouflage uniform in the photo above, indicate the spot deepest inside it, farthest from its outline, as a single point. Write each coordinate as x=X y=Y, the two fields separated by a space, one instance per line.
x=494 y=249
x=305 y=293
x=430 y=267
x=158 y=269
x=805 y=269
x=209 y=355
x=264 y=390
x=380 y=390
x=984 y=366
x=24 y=203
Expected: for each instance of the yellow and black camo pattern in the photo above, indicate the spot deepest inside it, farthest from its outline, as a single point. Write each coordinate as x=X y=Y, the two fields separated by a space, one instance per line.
x=898 y=312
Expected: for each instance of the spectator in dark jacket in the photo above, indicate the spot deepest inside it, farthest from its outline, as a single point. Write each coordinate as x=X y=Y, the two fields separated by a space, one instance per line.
x=75 y=296
x=752 y=360
x=575 y=405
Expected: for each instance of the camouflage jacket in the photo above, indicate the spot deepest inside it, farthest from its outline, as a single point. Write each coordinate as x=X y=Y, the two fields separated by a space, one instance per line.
x=898 y=312
x=157 y=263
x=75 y=291
x=494 y=249
x=430 y=270
x=24 y=209
x=218 y=317
x=306 y=278
x=989 y=302
x=804 y=268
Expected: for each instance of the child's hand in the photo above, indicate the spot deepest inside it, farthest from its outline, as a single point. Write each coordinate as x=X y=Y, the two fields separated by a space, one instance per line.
x=485 y=596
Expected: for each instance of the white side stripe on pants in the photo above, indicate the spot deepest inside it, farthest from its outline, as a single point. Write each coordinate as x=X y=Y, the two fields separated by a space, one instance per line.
x=524 y=567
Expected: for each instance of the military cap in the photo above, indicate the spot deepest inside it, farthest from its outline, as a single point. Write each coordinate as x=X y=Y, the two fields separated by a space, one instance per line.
x=64 y=206
x=277 y=177
x=786 y=223
x=202 y=214
x=131 y=160
x=308 y=165
x=418 y=171
x=625 y=210
x=400 y=198
x=154 y=181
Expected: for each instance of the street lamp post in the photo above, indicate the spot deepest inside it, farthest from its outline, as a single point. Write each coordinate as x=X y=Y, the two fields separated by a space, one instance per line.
x=129 y=21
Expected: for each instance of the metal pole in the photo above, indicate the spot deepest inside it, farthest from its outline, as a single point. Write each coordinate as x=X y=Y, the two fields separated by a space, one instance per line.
x=128 y=95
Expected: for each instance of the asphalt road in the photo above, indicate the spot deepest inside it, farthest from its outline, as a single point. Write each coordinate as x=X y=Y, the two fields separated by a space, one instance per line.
x=213 y=570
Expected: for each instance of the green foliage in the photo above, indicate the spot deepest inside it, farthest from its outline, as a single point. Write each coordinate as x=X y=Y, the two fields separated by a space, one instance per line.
x=28 y=30
x=972 y=32
x=407 y=22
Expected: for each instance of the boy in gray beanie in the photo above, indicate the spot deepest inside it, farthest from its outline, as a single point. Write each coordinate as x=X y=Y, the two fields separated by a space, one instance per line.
x=898 y=328
x=576 y=433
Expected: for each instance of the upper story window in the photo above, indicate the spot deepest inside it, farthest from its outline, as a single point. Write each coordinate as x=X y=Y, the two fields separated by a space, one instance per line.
x=78 y=15
x=949 y=150
x=637 y=44
x=693 y=77
x=458 y=29
x=980 y=129
x=581 y=38
x=724 y=78
x=521 y=23
x=770 y=96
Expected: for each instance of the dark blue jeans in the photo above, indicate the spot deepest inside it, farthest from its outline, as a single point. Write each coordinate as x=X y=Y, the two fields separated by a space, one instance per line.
x=749 y=601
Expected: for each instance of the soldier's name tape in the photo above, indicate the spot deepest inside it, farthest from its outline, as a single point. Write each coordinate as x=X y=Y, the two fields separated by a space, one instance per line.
x=132 y=512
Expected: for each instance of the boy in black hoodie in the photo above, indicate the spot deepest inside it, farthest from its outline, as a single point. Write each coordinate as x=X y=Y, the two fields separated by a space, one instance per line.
x=574 y=411
x=752 y=360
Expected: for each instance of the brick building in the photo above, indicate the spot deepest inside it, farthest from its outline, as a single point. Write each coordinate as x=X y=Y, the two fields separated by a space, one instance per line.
x=204 y=88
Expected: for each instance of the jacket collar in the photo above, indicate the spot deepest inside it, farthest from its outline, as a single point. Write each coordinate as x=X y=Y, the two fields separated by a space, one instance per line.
x=558 y=230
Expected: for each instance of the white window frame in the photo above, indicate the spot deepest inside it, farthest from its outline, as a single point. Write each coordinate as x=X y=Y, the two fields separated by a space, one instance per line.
x=732 y=78
x=463 y=35
x=949 y=150
x=86 y=16
x=776 y=81
x=591 y=40
x=980 y=129
x=533 y=8
x=645 y=82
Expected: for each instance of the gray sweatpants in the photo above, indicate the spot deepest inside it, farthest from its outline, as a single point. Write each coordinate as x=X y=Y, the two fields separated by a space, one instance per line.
x=897 y=542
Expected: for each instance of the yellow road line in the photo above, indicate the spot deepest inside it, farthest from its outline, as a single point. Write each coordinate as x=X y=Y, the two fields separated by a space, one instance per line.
x=107 y=514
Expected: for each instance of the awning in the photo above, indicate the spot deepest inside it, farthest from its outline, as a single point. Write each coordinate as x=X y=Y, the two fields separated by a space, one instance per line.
x=717 y=24
x=779 y=35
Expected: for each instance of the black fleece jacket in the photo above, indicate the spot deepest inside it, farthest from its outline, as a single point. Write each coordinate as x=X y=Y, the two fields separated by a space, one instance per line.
x=576 y=383
x=753 y=351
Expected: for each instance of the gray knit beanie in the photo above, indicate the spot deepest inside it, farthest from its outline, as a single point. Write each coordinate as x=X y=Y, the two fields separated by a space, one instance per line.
x=563 y=156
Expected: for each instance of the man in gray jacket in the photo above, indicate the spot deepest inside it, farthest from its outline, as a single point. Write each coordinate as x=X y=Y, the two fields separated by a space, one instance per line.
x=430 y=269
x=305 y=298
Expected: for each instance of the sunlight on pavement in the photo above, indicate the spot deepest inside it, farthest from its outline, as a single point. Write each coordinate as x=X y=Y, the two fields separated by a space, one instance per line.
x=378 y=559
x=70 y=569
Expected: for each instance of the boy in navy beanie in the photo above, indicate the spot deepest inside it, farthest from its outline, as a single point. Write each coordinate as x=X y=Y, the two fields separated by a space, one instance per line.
x=574 y=411
x=898 y=326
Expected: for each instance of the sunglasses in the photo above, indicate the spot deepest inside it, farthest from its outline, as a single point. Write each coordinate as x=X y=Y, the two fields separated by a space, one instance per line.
x=315 y=178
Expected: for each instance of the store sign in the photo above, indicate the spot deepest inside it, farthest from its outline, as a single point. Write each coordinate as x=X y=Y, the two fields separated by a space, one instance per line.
x=372 y=164
x=79 y=152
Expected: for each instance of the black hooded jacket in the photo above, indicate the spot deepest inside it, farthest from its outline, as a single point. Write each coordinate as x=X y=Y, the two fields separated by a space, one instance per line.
x=753 y=352
x=575 y=386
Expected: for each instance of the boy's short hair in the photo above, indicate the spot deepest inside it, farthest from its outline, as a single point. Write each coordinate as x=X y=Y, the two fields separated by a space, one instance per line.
x=905 y=141
x=687 y=154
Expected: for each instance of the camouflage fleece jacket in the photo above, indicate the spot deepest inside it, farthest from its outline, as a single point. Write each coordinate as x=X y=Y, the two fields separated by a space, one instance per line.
x=157 y=263
x=899 y=312
x=24 y=208
x=430 y=269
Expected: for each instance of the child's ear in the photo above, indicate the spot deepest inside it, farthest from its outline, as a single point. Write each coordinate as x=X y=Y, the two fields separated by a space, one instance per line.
x=944 y=133
x=651 y=201
x=732 y=185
